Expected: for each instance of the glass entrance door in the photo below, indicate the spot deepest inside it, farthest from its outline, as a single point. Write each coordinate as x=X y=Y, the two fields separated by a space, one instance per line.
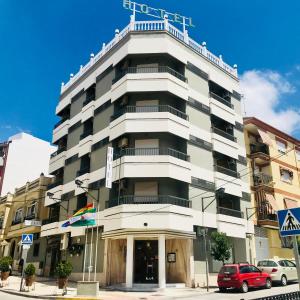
x=146 y=261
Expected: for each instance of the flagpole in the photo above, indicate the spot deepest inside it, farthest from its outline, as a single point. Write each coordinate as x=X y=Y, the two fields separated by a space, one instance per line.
x=97 y=233
x=84 y=258
x=91 y=253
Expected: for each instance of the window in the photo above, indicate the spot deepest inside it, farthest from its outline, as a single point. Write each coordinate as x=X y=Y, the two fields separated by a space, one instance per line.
x=267 y=263
x=281 y=146
x=286 y=175
x=19 y=214
x=245 y=269
x=228 y=270
x=289 y=264
x=148 y=188
x=281 y=263
x=253 y=269
x=36 y=249
x=298 y=154
x=81 y=201
x=31 y=210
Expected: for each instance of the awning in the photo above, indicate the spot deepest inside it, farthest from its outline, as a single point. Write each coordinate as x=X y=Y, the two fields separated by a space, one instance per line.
x=289 y=203
x=272 y=201
x=265 y=137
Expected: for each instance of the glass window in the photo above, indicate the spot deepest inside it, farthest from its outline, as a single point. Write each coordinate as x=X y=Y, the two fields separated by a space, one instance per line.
x=19 y=214
x=281 y=147
x=245 y=269
x=228 y=270
x=286 y=175
x=253 y=269
x=281 y=263
x=267 y=263
x=31 y=209
x=289 y=263
x=36 y=249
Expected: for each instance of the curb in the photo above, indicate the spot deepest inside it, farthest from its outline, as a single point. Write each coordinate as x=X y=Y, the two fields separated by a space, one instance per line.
x=27 y=295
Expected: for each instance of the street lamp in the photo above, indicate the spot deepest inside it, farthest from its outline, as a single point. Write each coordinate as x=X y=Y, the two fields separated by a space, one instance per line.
x=218 y=192
x=56 y=200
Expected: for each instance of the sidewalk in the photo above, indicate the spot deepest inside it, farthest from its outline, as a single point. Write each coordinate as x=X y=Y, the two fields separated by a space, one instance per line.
x=45 y=288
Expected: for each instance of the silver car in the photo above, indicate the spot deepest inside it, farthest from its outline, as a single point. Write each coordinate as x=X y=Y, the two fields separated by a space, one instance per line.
x=281 y=270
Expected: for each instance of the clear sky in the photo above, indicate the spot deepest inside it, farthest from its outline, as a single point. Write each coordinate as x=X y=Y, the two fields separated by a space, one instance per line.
x=42 y=42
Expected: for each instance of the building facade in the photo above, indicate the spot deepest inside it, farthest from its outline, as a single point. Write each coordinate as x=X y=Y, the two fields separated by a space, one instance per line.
x=274 y=159
x=22 y=158
x=171 y=110
x=17 y=210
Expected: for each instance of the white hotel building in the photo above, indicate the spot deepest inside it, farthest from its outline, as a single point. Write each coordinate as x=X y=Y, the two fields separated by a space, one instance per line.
x=172 y=112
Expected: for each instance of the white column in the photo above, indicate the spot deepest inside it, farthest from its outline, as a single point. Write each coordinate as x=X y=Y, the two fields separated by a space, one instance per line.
x=129 y=261
x=162 y=261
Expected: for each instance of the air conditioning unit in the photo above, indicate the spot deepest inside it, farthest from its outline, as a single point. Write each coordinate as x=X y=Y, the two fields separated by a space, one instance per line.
x=64 y=242
x=124 y=101
x=123 y=143
x=123 y=184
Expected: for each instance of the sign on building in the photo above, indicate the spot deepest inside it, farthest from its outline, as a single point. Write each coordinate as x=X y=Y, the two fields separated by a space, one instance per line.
x=109 y=162
x=27 y=239
x=289 y=221
x=157 y=12
x=32 y=223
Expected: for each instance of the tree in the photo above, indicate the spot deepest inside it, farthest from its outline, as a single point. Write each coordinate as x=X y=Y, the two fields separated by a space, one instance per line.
x=220 y=249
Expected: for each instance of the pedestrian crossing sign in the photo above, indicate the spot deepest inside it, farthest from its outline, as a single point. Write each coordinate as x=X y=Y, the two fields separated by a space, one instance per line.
x=27 y=239
x=289 y=221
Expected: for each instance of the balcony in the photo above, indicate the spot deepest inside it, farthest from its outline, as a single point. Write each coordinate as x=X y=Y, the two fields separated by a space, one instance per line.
x=153 y=151
x=83 y=171
x=266 y=215
x=16 y=221
x=50 y=220
x=227 y=171
x=54 y=184
x=60 y=122
x=86 y=133
x=263 y=180
x=30 y=217
x=159 y=199
x=150 y=109
x=259 y=148
x=158 y=69
x=222 y=100
x=224 y=134
x=60 y=150
x=230 y=212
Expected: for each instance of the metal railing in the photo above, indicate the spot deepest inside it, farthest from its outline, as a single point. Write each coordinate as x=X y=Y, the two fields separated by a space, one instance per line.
x=83 y=171
x=259 y=148
x=153 y=151
x=158 y=69
x=163 y=25
x=285 y=296
x=227 y=171
x=159 y=199
x=230 y=212
x=149 y=109
x=265 y=211
x=224 y=134
x=261 y=179
x=220 y=99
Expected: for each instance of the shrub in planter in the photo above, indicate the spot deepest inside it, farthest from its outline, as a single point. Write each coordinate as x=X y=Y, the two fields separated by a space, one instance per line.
x=29 y=274
x=63 y=270
x=5 y=267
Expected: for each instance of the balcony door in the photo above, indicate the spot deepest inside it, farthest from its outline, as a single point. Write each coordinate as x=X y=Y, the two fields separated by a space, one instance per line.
x=146 y=191
x=147 y=106
x=147 y=147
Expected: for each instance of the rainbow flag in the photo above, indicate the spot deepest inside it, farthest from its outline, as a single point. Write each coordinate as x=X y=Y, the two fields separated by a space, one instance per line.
x=83 y=217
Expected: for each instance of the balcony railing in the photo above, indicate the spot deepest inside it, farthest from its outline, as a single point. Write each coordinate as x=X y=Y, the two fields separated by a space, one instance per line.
x=265 y=211
x=54 y=184
x=262 y=179
x=50 y=220
x=158 y=69
x=160 y=199
x=259 y=148
x=60 y=150
x=153 y=151
x=30 y=217
x=16 y=221
x=230 y=212
x=83 y=171
x=60 y=122
x=227 y=171
x=220 y=99
x=224 y=134
x=149 y=109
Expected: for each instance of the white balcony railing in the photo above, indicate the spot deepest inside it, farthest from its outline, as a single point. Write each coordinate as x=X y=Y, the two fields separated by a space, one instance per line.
x=151 y=26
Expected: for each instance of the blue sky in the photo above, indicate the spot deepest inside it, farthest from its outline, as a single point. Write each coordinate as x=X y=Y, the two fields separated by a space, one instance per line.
x=42 y=42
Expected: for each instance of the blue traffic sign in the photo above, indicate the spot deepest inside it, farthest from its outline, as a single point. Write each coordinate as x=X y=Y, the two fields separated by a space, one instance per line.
x=289 y=221
x=27 y=239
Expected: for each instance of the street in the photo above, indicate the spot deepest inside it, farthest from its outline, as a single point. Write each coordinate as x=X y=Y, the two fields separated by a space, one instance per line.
x=12 y=297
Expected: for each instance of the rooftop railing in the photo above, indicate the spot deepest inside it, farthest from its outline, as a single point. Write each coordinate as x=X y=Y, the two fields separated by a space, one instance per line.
x=141 y=70
x=148 y=109
x=159 y=199
x=137 y=26
x=153 y=151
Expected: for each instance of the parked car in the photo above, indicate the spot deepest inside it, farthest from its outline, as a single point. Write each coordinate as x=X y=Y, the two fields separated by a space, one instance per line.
x=242 y=276
x=280 y=270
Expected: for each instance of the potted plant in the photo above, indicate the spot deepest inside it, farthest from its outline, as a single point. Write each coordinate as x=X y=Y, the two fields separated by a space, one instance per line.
x=63 y=270
x=5 y=267
x=29 y=274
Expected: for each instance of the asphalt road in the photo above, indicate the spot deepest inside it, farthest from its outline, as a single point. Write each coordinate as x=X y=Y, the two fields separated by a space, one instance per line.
x=231 y=295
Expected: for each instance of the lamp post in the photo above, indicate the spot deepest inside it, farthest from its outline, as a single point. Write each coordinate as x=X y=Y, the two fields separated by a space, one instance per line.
x=204 y=232
x=79 y=183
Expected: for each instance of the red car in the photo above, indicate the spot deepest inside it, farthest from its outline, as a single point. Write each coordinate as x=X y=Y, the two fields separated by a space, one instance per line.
x=242 y=276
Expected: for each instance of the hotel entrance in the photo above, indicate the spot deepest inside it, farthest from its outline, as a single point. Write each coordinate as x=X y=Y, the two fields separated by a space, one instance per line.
x=145 y=261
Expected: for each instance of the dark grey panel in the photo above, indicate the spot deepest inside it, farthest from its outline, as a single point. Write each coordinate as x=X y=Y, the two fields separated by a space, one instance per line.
x=200 y=143
x=239 y=126
x=197 y=71
x=199 y=106
x=204 y=184
x=236 y=95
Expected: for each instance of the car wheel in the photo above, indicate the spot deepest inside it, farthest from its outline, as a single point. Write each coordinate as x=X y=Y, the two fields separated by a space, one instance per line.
x=283 y=280
x=268 y=283
x=244 y=287
x=222 y=289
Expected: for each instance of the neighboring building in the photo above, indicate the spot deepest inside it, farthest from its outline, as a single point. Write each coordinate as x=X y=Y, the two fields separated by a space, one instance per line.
x=26 y=204
x=171 y=110
x=274 y=161
x=22 y=158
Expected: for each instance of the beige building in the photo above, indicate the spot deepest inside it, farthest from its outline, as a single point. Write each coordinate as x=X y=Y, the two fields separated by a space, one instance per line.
x=17 y=211
x=274 y=164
